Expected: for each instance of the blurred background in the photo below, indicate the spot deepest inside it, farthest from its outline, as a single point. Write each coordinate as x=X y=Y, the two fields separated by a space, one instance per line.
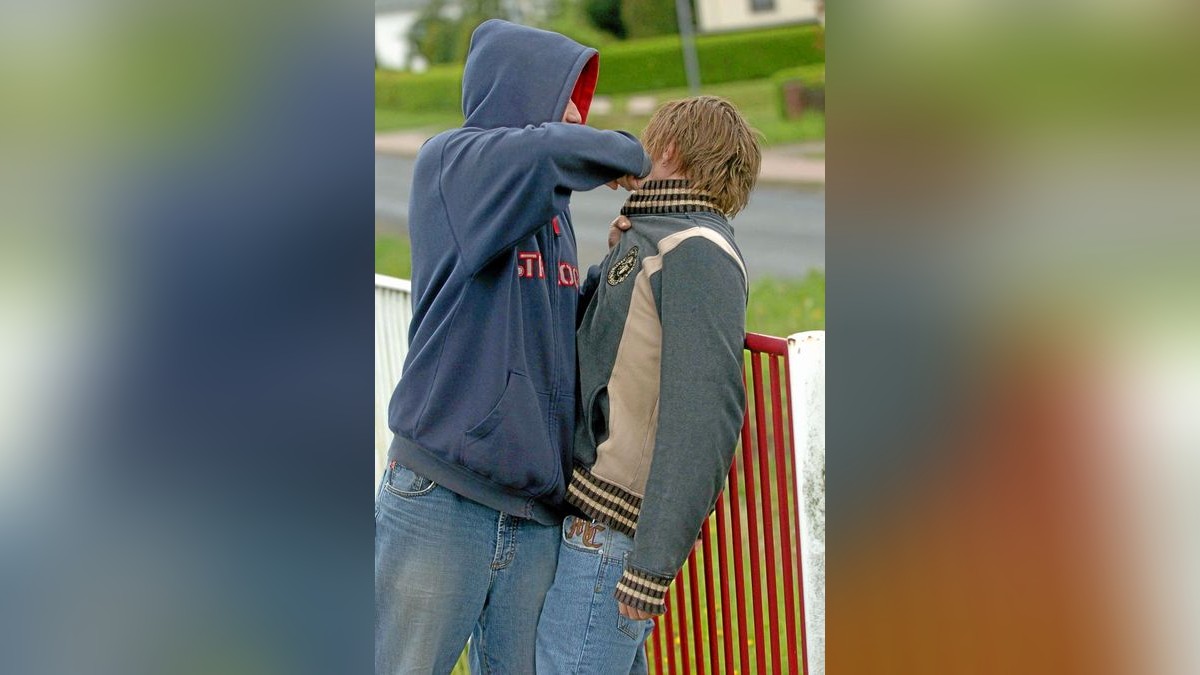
x=190 y=202
x=1013 y=360
x=766 y=56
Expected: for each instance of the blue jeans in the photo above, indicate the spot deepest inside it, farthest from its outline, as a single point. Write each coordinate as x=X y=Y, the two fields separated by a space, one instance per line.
x=581 y=632
x=447 y=568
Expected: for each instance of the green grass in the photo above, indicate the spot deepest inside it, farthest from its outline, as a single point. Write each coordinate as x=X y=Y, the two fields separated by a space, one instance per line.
x=393 y=256
x=758 y=100
x=392 y=120
x=777 y=307
x=781 y=307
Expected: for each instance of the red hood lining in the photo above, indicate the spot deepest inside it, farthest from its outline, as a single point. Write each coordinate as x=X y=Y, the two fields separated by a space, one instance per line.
x=585 y=86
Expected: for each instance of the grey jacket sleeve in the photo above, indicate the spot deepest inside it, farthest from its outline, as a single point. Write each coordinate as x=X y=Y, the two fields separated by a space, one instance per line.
x=702 y=401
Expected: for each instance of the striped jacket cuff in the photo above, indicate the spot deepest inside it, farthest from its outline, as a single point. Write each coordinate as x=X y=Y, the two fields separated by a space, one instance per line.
x=647 y=592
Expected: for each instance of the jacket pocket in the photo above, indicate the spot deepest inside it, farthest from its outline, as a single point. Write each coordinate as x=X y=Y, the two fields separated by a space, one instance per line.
x=511 y=444
x=596 y=416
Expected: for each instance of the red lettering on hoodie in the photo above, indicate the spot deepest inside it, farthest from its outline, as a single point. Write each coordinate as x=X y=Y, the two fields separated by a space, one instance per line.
x=526 y=268
x=568 y=274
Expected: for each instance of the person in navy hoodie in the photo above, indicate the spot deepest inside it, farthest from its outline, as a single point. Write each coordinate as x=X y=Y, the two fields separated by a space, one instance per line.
x=468 y=512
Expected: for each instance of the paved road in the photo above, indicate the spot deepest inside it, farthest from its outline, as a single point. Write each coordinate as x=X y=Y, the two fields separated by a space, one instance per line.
x=781 y=233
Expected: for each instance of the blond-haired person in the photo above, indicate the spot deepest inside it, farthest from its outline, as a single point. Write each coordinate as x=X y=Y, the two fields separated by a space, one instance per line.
x=661 y=393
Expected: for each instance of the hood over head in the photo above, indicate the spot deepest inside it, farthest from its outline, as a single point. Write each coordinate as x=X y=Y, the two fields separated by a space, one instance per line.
x=517 y=76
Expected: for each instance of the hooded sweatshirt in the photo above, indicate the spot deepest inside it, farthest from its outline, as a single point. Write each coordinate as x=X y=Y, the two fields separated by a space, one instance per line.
x=486 y=401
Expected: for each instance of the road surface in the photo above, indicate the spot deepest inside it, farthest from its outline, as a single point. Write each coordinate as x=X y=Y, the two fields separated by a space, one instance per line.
x=781 y=233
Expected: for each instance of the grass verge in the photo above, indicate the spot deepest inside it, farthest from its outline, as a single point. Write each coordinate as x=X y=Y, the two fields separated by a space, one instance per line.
x=393 y=256
x=758 y=100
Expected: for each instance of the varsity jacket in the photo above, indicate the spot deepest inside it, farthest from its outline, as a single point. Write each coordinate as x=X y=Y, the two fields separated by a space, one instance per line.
x=662 y=397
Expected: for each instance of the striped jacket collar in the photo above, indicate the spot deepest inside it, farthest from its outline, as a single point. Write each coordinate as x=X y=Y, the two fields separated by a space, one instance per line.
x=658 y=197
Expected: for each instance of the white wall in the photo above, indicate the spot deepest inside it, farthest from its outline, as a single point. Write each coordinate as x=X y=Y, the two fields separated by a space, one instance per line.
x=722 y=15
x=391 y=38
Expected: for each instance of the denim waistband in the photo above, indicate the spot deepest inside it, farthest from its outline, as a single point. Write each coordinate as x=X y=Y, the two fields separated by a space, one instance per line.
x=594 y=536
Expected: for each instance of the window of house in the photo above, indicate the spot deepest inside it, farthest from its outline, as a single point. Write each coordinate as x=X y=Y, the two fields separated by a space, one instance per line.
x=762 y=5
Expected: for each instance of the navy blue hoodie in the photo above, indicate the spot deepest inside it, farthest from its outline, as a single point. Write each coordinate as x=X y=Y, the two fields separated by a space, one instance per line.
x=486 y=402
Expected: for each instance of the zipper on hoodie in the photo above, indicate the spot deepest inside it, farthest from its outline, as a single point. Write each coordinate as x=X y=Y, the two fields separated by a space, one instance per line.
x=552 y=244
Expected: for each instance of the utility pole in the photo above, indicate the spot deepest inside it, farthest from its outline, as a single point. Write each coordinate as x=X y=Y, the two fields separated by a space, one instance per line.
x=691 y=64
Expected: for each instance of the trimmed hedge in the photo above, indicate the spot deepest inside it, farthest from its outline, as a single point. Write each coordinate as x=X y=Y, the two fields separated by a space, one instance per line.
x=647 y=18
x=657 y=63
x=637 y=65
x=439 y=88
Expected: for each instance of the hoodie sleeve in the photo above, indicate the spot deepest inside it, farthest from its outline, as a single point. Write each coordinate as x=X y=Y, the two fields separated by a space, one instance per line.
x=502 y=185
x=701 y=406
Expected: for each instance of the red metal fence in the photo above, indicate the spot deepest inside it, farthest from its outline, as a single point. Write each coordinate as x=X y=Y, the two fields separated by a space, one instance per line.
x=736 y=605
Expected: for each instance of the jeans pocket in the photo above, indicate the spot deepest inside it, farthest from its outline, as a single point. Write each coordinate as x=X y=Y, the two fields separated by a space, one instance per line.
x=387 y=471
x=634 y=629
x=404 y=482
x=581 y=535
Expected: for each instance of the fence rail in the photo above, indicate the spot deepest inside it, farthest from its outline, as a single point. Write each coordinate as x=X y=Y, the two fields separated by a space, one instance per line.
x=751 y=597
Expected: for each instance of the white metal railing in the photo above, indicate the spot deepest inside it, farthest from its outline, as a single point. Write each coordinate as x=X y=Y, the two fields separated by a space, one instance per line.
x=393 y=312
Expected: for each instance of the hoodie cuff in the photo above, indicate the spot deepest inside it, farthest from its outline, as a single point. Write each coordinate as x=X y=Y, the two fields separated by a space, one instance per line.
x=647 y=592
x=647 y=164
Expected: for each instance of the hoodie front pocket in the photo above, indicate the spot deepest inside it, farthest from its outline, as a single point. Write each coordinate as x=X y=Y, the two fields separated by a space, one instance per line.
x=511 y=445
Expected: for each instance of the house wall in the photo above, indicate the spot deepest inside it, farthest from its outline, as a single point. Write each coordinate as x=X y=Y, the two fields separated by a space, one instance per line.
x=722 y=15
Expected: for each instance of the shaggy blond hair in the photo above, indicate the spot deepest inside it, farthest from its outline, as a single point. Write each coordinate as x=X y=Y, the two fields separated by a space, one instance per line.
x=714 y=147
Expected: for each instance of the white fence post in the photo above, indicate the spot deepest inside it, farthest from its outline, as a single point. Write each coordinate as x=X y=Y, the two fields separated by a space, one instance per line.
x=393 y=311
x=807 y=395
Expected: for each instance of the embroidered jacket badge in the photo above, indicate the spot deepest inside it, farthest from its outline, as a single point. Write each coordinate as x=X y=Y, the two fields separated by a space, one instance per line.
x=621 y=269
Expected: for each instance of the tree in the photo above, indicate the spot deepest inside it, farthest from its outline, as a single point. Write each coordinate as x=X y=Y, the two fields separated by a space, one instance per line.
x=474 y=13
x=441 y=36
x=434 y=35
x=606 y=16
x=646 y=18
